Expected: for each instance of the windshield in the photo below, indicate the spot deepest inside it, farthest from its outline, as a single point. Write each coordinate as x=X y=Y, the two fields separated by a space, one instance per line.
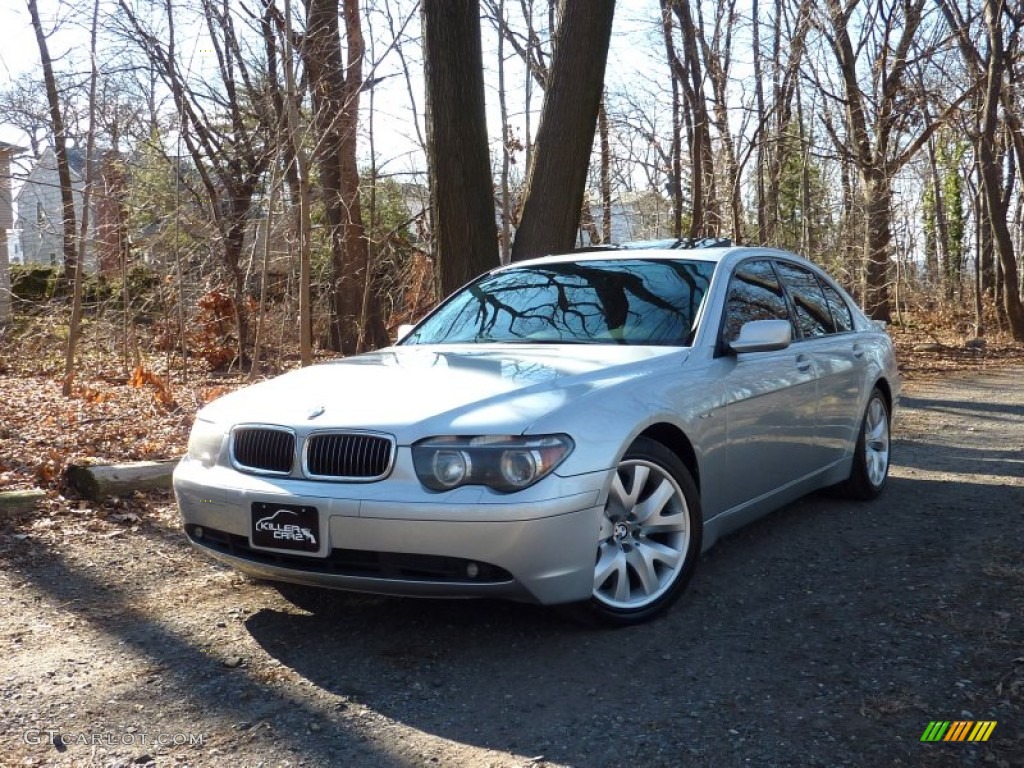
x=614 y=301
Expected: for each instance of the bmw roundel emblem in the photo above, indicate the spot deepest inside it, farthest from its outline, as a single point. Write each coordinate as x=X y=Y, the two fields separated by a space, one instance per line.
x=314 y=412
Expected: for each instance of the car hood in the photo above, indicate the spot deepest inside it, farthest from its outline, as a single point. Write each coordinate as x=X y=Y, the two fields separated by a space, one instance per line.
x=416 y=391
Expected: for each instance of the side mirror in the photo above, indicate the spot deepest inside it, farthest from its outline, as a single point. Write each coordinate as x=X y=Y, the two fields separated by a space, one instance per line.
x=403 y=330
x=762 y=336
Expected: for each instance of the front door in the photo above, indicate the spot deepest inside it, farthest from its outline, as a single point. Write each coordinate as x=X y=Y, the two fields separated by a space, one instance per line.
x=771 y=397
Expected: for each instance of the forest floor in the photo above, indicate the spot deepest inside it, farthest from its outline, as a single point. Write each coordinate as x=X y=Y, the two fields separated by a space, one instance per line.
x=829 y=633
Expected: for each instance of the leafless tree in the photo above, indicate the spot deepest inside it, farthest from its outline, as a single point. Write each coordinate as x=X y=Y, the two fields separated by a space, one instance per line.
x=687 y=69
x=874 y=43
x=462 y=196
x=989 y=61
x=75 y=326
x=225 y=124
x=336 y=85
x=558 y=170
x=59 y=145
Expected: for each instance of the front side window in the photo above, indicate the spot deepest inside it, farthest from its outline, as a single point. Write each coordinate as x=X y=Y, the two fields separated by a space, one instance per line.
x=812 y=312
x=754 y=294
x=620 y=301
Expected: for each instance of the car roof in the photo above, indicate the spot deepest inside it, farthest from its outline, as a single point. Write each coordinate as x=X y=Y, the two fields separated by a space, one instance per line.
x=714 y=254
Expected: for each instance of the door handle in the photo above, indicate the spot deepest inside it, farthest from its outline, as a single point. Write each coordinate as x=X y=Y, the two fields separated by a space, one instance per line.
x=803 y=363
x=858 y=350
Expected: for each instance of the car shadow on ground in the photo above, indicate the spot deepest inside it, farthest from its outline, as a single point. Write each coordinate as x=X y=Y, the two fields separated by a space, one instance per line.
x=830 y=613
x=981 y=410
x=186 y=671
x=853 y=623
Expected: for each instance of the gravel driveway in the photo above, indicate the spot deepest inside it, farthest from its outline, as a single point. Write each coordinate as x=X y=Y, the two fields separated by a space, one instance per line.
x=830 y=633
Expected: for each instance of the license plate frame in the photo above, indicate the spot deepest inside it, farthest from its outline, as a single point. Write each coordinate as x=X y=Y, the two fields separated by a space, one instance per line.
x=292 y=528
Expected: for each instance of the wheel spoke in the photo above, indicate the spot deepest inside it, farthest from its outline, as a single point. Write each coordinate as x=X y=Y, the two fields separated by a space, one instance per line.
x=644 y=570
x=640 y=474
x=610 y=560
x=618 y=495
x=877 y=461
x=656 y=551
x=654 y=505
x=621 y=579
x=877 y=428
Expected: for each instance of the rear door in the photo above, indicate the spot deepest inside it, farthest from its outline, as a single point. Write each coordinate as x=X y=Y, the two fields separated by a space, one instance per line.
x=826 y=326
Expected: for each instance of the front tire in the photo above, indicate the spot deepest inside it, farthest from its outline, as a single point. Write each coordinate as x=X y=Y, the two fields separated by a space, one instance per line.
x=650 y=536
x=871 y=455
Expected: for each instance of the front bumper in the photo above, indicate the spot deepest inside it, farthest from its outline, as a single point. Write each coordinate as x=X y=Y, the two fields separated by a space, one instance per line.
x=537 y=546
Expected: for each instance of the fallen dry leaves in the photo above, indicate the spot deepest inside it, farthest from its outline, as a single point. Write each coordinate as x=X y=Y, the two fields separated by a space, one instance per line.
x=112 y=416
x=116 y=415
x=41 y=431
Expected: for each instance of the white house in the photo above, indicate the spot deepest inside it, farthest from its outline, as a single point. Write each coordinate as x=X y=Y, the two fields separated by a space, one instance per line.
x=40 y=211
x=6 y=221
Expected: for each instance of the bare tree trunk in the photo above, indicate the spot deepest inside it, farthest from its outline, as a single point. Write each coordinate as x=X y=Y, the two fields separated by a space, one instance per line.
x=688 y=73
x=940 y=255
x=677 y=143
x=506 y=208
x=75 y=327
x=877 y=196
x=717 y=63
x=606 y=175
x=462 y=194
x=528 y=93
x=229 y=155
x=234 y=250
x=805 y=180
x=558 y=173
x=261 y=310
x=296 y=165
x=762 y=120
x=59 y=148
x=366 y=324
x=872 y=130
x=336 y=86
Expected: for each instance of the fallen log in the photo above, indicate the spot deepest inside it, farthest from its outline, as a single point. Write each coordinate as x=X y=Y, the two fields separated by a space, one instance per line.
x=99 y=481
x=19 y=501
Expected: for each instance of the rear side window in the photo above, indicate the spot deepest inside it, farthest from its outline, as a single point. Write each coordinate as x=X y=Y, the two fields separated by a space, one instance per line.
x=813 y=315
x=841 y=314
x=754 y=294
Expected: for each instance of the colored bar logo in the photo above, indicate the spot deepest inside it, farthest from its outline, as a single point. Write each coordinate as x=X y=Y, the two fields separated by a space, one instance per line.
x=958 y=730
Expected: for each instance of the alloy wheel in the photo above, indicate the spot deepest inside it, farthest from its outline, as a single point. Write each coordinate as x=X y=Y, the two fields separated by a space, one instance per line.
x=876 y=442
x=644 y=539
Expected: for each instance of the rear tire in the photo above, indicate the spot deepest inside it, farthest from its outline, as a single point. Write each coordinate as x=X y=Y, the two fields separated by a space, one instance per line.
x=650 y=537
x=872 y=453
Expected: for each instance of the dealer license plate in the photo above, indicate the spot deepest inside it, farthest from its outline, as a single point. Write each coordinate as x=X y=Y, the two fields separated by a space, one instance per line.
x=292 y=527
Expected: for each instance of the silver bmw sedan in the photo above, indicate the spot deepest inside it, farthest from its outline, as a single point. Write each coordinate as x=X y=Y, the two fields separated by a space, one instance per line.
x=575 y=429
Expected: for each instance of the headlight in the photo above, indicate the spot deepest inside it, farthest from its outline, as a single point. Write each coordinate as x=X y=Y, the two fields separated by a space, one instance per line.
x=505 y=463
x=205 y=441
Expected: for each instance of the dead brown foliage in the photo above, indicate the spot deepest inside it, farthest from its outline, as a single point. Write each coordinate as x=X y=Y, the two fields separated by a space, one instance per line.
x=933 y=340
x=119 y=412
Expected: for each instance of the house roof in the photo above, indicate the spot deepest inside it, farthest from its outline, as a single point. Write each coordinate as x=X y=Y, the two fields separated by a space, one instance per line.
x=44 y=170
x=76 y=161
